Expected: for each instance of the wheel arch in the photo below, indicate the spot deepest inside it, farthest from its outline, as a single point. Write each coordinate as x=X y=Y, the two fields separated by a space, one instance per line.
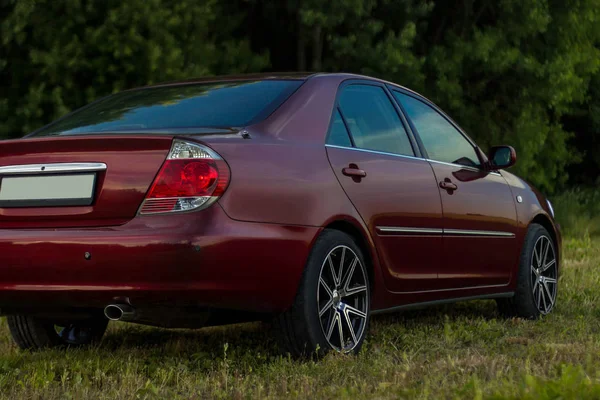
x=362 y=240
x=545 y=221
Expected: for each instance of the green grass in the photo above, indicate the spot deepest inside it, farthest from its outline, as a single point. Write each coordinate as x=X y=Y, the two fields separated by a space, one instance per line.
x=455 y=351
x=578 y=211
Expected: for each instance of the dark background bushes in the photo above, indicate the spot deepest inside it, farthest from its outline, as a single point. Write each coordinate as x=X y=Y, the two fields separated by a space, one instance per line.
x=525 y=73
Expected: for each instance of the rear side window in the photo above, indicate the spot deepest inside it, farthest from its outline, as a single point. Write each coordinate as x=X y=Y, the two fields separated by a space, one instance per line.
x=338 y=134
x=207 y=105
x=373 y=121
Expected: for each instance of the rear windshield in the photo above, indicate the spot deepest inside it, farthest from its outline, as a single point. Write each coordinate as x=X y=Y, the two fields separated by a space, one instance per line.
x=207 y=105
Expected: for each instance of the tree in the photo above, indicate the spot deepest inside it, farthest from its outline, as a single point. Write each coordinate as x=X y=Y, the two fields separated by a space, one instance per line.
x=506 y=71
x=584 y=122
x=509 y=70
x=58 y=55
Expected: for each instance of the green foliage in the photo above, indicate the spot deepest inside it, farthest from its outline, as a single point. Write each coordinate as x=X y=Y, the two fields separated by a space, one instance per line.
x=515 y=78
x=59 y=55
x=506 y=71
x=578 y=212
x=525 y=73
x=384 y=46
x=584 y=122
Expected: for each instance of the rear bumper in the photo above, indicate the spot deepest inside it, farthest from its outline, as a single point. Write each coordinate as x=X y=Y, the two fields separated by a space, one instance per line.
x=202 y=258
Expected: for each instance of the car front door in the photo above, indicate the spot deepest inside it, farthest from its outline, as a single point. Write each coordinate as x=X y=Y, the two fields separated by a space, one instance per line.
x=394 y=190
x=479 y=245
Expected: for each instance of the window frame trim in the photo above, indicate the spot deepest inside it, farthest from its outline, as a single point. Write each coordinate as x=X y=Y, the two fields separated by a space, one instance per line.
x=383 y=153
x=417 y=152
x=330 y=128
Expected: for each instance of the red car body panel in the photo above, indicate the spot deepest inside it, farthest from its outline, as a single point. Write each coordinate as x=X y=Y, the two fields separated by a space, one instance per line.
x=482 y=202
x=397 y=192
x=168 y=259
x=267 y=176
x=248 y=250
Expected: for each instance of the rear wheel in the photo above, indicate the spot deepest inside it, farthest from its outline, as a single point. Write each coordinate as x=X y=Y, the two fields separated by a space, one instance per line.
x=537 y=280
x=332 y=307
x=36 y=333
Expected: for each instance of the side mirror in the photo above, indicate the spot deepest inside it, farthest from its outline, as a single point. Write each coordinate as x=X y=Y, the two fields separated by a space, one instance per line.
x=501 y=157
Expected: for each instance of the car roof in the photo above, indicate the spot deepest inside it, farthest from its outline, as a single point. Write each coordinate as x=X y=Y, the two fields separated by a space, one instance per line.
x=236 y=78
x=269 y=76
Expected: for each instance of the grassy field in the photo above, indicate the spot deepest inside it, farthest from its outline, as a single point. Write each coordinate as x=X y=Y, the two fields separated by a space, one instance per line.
x=455 y=351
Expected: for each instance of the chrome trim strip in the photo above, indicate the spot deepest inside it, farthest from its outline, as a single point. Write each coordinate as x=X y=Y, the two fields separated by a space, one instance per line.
x=397 y=229
x=456 y=165
x=411 y=158
x=474 y=169
x=51 y=168
x=202 y=206
x=446 y=232
x=374 y=152
x=460 y=232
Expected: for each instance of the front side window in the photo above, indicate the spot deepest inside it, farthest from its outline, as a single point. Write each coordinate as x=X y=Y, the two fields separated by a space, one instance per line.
x=373 y=121
x=441 y=139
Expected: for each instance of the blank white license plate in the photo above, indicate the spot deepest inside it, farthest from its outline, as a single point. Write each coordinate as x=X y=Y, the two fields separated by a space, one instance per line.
x=47 y=190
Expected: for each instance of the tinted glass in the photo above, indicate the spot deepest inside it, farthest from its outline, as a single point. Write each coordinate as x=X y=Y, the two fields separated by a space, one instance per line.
x=502 y=157
x=224 y=104
x=338 y=134
x=442 y=141
x=373 y=121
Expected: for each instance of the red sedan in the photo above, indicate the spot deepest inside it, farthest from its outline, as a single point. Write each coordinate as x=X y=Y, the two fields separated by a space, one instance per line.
x=315 y=200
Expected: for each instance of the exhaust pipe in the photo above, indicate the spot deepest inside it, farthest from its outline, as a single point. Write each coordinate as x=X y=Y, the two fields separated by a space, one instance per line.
x=119 y=312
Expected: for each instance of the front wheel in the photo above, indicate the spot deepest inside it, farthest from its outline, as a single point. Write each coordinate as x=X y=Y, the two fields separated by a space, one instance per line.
x=37 y=333
x=537 y=279
x=332 y=307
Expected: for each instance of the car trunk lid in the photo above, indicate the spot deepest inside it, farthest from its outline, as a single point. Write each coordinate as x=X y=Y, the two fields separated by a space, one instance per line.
x=77 y=181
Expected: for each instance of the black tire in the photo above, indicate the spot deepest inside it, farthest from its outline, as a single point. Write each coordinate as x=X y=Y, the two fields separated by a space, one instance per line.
x=32 y=333
x=527 y=302
x=300 y=330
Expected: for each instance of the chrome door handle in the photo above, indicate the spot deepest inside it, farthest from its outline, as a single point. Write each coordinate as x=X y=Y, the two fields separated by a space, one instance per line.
x=446 y=184
x=354 y=172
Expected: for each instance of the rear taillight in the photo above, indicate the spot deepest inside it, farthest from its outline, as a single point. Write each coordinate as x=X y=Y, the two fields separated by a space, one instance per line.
x=192 y=178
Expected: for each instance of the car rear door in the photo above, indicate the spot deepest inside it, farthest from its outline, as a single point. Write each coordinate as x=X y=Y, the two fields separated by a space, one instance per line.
x=479 y=246
x=379 y=166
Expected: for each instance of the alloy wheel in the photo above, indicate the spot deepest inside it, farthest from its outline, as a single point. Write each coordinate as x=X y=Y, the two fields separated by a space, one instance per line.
x=343 y=299
x=544 y=274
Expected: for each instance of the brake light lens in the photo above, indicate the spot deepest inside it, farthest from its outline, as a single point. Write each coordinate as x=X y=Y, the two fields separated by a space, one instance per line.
x=192 y=178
